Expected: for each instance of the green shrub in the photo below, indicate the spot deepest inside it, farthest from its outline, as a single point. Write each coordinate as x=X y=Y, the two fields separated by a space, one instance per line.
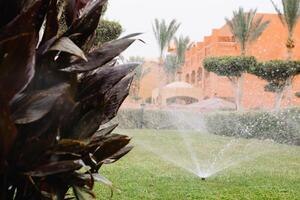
x=230 y=66
x=107 y=31
x=281 y=127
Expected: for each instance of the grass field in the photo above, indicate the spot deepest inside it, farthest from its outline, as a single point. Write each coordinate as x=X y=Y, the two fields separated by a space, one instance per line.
x=264 y=170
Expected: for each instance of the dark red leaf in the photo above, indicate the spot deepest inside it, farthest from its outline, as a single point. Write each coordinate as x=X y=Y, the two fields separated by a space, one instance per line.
x=55 y=168
x=118 y=155
x=9 y=10
x=101 y=56
x=111 y=146
x=8 y=133
x=16 y=65
x=105 y=78
x=73 y=9
x=51 y=28
x=32 y=106
x=115 y=97
x=18 y=40
x=87 y=23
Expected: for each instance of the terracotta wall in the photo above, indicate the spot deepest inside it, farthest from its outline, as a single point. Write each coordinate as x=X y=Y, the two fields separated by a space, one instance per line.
x=271 y=45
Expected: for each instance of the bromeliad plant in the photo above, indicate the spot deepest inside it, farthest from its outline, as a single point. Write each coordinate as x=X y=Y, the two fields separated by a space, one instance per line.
x=54 y=97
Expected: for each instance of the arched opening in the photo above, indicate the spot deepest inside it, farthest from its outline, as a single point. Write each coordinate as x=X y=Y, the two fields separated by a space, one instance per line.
x=199 y=74
x=193 y=78
x=181 y=100
x=187 y=78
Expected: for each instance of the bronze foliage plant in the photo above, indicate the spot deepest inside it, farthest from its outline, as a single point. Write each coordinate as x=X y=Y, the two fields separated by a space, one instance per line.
x=55 y=93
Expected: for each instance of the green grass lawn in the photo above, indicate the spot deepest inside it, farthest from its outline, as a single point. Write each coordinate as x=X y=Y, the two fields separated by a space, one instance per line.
x=155 y=169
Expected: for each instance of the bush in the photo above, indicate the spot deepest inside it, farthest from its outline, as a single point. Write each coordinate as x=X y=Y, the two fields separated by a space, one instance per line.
x=281 y=127
x=107 y=31
x=231 y=66
x=155 y=119
x=276 y=72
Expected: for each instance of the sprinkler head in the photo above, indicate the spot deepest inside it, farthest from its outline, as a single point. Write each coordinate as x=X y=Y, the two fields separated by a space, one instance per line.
x=203 y=179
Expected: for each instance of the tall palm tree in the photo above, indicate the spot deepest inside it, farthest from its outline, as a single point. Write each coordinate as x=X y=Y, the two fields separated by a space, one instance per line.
x=171 y=66
x=182 y=44
x=289 y=18
x=173 y=62
x=140 y=73
x=163 y=34
x=246 y=27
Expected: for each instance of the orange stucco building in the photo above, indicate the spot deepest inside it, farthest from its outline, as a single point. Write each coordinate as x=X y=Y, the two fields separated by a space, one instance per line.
x=270 y=45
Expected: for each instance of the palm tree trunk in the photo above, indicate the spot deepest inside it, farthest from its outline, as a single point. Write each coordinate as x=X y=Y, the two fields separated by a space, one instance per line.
x=278 y=100
x=240 y=83
x=160 y=81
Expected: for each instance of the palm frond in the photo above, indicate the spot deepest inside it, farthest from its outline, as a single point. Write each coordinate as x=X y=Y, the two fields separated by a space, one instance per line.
x=182 y=44
x=164 y=33
x=246 y=27
x=290 y=13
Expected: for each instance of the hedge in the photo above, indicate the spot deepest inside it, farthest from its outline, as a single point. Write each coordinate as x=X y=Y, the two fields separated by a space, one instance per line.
x=281 y=127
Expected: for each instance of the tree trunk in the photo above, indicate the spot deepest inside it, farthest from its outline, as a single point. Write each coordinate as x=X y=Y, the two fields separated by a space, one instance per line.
x=289 y=90
x=278 y=100
x=239 y=93
x=161 y=82
x=288 y=86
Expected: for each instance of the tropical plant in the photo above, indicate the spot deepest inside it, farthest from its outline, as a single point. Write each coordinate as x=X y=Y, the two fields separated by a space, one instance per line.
x=53 y=98
x=232 y=68
x=171 y=66
x=277 y=73
x=182 y=44
x=164 y=33
x=140 y=73
x=246 y=27
x=289 y=18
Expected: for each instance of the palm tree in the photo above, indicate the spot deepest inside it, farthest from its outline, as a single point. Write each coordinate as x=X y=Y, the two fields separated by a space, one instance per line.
x=171 y=65
x=246 y=28
x=289 y=18
x=182 y=44
x=140 y=73
x=163 y=34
